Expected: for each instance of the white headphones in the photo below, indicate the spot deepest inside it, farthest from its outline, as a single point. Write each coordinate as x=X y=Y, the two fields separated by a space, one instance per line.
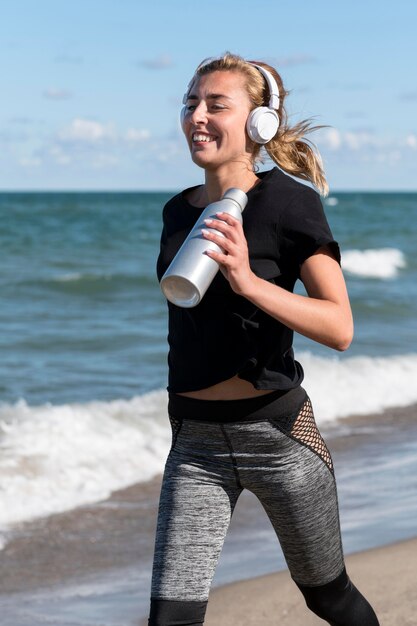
x=263 y=122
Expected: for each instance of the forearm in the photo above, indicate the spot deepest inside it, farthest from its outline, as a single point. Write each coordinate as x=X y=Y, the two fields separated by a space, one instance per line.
x=325 y=321
x=323 y=316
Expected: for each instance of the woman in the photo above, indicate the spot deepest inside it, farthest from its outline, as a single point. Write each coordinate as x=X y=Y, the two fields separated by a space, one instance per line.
x=239 y=416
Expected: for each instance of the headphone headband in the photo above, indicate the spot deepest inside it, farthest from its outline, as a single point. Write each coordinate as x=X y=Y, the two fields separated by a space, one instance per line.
x=263 y=122
x=272 y=86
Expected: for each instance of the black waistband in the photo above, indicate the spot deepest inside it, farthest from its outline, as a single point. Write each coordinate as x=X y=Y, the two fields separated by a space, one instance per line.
x=275 y=404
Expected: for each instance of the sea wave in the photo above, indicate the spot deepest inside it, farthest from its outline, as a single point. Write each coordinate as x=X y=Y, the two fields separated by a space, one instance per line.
x=91 y=277
x=331 y=201
x=56 y=457
x=374 y=263
x=359 y=385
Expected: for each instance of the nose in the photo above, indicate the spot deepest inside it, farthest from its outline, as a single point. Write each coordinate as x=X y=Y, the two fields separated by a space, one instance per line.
x=199 y=115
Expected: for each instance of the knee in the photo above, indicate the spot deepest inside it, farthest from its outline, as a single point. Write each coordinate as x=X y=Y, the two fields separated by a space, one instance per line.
x=177 y=612
x=339 y=603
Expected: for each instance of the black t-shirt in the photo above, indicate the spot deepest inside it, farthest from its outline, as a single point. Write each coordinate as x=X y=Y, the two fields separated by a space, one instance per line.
x=226 y=334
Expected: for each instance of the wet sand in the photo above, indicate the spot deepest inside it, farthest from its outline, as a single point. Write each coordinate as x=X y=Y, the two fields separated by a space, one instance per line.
x=88 y=540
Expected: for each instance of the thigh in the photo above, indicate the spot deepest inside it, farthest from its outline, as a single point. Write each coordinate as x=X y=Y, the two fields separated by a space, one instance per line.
x=300 y=498
x=194 y=513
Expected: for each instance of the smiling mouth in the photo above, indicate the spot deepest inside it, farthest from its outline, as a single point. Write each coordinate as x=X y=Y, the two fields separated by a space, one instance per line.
x=200 y=137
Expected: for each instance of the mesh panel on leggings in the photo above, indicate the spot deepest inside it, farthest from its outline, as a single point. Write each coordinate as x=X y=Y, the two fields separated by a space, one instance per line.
x=176 y=427
x=305 y=430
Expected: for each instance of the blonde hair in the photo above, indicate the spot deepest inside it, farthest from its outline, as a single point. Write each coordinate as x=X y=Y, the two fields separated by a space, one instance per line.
x=289 y=149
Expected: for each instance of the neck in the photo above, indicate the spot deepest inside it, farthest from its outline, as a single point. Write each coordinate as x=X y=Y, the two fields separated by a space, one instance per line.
x=218 y=181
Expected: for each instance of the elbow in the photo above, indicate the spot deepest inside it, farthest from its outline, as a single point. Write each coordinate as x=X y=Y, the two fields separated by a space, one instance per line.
x=343 y=344
x=344 y=339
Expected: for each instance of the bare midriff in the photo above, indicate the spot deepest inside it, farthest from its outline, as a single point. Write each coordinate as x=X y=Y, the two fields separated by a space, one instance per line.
x=234 y=388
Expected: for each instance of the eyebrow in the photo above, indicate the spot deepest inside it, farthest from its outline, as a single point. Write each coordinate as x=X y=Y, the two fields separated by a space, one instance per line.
x=210 y=95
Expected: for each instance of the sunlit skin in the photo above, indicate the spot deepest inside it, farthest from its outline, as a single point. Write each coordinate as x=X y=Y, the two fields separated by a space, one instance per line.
x=324 y=315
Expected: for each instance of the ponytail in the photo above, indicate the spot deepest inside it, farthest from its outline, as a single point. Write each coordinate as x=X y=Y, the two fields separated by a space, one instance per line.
x=297 y=156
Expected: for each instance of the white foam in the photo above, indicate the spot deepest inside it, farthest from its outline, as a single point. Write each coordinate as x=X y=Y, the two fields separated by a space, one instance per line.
x=70 y=277
x=78 y=276
x=374 y=263
x=332 y=201
x=54 y=458
x=340 y=386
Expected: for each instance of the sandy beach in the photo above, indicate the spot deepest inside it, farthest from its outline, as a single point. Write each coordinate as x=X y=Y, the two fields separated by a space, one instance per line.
x=387 y=576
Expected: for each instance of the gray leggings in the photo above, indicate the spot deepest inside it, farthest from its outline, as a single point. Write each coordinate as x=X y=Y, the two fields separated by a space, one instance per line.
x=270 y=445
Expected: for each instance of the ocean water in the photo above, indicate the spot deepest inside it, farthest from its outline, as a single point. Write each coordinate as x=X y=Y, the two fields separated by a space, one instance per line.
x=83 y=339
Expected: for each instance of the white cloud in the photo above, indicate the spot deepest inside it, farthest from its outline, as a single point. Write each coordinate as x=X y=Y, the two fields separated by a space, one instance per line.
x=411 y=141
x=364 y=145
x=135 y=135
x=88 y=131
x=59 y=155
x=358 y=140
x=336 y=140
x=330 y=137
x=85 y=131
x=94 y=144
x=104 y=160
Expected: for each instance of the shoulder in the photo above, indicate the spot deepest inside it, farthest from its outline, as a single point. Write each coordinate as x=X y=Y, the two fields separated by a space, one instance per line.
x=278 y=187
x=303 y=227
x=173 y=202
x=297 y=201
x=279 y=198
x=182 y=200
x=175 y=207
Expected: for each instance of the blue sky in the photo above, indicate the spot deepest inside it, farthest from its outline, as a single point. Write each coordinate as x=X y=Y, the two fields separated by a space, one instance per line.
x=91 y=90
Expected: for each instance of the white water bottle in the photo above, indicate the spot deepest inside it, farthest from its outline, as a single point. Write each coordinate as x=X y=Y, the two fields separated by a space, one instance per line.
x=191 y=271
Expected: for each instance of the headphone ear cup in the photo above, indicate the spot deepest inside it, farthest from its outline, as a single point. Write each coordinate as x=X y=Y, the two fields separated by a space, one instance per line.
x=262 y=124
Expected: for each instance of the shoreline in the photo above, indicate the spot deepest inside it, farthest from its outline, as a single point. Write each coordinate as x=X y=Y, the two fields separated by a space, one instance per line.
x=97 y=559
x=385 y=575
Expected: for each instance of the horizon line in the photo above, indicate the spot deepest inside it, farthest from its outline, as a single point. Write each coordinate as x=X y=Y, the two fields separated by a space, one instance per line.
x=98 y=190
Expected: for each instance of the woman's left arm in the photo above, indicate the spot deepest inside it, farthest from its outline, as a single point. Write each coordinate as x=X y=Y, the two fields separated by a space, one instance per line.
x=324 y=315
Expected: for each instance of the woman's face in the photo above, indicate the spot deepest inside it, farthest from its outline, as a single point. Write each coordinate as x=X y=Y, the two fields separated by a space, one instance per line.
x=214 y=125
